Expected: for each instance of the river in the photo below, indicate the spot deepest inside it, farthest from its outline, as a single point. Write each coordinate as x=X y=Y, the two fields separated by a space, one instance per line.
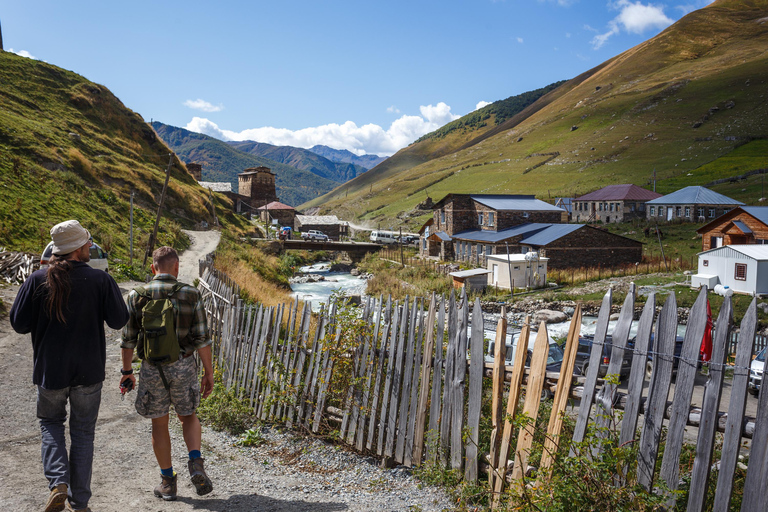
x=317 y=293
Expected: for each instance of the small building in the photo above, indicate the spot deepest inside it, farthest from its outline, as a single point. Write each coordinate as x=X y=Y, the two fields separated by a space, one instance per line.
x=196 y=170
x=690 y=204
x=742 y=268
x=613 y=203
x=284 y=215
x=328 y=224
x=473 y=280
x=742 y=225
x=518 y=270
x=256 y=187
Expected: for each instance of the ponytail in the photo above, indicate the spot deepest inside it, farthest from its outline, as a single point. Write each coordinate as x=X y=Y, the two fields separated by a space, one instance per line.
x=58 y=284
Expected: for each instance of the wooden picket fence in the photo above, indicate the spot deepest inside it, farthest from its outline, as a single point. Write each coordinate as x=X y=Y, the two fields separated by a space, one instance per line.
x=415 y=394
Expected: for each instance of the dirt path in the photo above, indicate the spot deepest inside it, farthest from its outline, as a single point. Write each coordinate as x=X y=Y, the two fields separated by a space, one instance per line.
x=285 y=474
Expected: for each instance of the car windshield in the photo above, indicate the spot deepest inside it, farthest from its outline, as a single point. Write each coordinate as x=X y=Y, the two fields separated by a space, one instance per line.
x=760 y=356
x=555 y=354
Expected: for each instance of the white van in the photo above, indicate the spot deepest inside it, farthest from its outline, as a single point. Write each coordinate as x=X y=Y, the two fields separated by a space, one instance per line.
x=99 y=258
x=383 y=237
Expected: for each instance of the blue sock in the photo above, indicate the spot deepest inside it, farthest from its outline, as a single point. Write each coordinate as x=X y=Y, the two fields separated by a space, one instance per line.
x=167 y=472
x=194 y=454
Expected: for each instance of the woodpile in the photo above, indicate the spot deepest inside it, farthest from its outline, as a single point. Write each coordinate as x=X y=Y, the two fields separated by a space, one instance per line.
x=15 y=267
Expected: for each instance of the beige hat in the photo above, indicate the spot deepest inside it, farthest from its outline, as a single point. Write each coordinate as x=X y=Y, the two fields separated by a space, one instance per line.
x=68 y=236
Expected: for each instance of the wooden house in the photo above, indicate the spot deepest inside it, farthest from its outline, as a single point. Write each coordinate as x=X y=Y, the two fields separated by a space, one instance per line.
x=742 y=225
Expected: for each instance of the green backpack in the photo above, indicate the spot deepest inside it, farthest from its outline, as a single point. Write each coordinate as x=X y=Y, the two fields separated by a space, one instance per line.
x=157 y=337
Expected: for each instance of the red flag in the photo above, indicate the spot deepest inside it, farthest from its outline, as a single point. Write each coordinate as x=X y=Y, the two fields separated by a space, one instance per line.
x=706 y=341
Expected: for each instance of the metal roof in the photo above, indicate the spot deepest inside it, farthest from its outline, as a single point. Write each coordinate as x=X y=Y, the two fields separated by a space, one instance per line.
x=552 y=233
x=695 y=195
x=514 y=258
x=516 y=202
x=758 y=212
x=754 y=251
x=442 y=235
x=620 y=193
x=313 y=220
x=216 y=186
x=743 y=227
x=470 y=273
x=479 y=235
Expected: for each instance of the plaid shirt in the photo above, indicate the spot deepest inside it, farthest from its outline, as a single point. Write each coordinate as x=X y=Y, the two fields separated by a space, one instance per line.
x=190 y=320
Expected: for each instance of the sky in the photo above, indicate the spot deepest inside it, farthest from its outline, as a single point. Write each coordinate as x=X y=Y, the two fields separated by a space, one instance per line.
x=369 y=77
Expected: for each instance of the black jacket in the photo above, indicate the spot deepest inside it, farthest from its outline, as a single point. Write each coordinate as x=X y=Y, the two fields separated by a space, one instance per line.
x=74 y=353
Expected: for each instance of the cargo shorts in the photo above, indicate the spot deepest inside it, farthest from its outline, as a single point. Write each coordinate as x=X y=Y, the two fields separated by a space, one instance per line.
x=154 y=401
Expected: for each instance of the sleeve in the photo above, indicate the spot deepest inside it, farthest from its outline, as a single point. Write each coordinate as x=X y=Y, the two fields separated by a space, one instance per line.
x=22 y=314
x=116 y=313
x=198 y=331
x=130 y=334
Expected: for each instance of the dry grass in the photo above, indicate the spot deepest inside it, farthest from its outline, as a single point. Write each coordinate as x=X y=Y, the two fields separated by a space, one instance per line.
x=254 y=287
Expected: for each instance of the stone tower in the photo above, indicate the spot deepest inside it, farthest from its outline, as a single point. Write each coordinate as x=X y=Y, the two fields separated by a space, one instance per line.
x=196 y=170
x=258 y=185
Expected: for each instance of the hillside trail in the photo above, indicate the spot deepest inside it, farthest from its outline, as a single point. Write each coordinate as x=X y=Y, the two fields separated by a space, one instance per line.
x=266 y=478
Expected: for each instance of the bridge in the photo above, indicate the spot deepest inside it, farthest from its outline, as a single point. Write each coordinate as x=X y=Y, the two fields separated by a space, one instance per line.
x=356 y=250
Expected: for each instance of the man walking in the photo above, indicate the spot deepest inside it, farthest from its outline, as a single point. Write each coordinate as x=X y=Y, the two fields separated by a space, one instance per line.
x=65 y=307
x=161 y=385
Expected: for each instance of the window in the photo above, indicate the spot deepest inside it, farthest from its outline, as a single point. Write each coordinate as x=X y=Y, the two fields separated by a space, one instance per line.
x=701 y=212
x=704 y=263
x=661 y=211
x=442 y=216
x=516 y=268
x=601 y=207
x=678 y=210
x=741 y=272
x=688 y=212
x=490 y=218
x=611 y=206
x=711 y=213
x=760 y=241
x=480 y=218
x=653 y=211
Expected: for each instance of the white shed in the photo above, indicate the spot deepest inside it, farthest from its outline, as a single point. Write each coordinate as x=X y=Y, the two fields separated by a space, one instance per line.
x=472 y=280
x=742 y=268
x=524 y=273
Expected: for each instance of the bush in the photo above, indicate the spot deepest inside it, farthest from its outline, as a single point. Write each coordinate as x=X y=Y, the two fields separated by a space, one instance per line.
x=224 y=410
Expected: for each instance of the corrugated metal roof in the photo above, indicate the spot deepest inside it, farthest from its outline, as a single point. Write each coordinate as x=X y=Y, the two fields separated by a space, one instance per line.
x=743 y=227
x=549 y=235
x=514 y=258
x=478 y=235
x=516 y=202
x=620 y=193
x=470 y=273
x=317 y=219
x=756 y=252
x=442 y=235
x=216 y=186
x=758 y=212
x=695 y=195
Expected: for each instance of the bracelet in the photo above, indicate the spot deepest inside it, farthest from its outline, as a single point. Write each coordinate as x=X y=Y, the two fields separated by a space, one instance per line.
x=127 y=372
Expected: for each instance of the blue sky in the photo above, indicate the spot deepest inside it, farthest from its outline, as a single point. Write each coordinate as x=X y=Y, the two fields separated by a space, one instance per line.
x=369 y=77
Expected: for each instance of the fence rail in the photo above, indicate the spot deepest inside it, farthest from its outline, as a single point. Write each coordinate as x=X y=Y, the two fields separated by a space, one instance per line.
x=411 y=388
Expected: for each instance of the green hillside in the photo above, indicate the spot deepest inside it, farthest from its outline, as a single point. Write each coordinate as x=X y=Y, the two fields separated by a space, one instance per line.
x=676 y=104
x=301 y=159
x=222 y=162
x=70 y=149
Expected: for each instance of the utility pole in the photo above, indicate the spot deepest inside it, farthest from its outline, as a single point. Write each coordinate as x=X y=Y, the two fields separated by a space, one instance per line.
x=1 y=38
x=131 y=234
x=153 y=236
x=654 y=180
x=402 y=261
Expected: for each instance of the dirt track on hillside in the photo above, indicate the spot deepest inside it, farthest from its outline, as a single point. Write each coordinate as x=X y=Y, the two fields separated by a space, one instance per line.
x=125 y=471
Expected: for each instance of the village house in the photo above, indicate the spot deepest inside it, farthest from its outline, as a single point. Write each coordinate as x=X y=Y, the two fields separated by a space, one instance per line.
x=741 y=268
x=256 y=188
x=276 y=211
x=742 y=225
x=613 y=203
x=328 y=224
x=690 y=204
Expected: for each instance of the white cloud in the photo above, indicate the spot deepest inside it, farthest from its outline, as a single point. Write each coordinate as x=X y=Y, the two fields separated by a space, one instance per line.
x=635 y=18
x=393 y=110
x=520 y=40
x=203 y=105
x=481 y=104
x=22 y=53
x=369 y=138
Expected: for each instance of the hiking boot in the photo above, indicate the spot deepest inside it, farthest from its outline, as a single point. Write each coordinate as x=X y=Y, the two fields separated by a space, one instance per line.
x=200 y=480
x=57 y=499
x=70 y=509
x=167 y=488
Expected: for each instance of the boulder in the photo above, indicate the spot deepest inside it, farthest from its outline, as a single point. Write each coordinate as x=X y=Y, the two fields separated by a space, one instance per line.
x=549 y=316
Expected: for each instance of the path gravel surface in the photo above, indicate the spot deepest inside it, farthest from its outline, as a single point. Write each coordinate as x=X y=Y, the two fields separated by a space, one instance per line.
x=286 y=473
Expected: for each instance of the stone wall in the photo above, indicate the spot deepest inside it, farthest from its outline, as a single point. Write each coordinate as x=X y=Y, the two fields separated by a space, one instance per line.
x=708 y=211
x=592 y=247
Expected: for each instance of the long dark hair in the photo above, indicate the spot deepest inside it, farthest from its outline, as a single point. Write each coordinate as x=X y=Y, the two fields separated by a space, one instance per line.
x=58 y=284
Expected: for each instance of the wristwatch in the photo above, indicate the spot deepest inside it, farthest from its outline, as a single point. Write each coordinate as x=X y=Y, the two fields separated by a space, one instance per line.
x=127 y=372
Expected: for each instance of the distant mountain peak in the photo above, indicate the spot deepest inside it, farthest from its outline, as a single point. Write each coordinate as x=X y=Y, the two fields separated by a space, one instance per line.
x=347 y=157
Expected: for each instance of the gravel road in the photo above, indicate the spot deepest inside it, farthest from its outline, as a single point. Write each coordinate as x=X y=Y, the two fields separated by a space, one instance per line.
x=287 y=473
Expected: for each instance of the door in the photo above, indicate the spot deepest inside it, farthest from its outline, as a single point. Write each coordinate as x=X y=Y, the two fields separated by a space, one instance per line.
x=495 y=274
x=670 y=212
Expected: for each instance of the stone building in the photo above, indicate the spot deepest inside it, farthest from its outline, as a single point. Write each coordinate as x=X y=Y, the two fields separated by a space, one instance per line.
x=613 y=203
x=256 y=185
x=690 y=204
x=196 y=170
x=284 y=215
x=741 y=226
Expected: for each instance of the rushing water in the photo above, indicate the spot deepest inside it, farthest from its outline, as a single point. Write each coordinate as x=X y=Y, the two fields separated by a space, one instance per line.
x=317 y=293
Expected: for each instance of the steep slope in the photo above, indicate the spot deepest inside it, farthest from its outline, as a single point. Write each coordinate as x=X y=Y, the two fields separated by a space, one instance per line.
x=223 y=162
x=70 y=149
x=344 y=156
x=301 y=159
x=675 y=104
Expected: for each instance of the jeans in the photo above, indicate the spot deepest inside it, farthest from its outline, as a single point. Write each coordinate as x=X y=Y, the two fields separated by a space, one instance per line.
x=73 y=469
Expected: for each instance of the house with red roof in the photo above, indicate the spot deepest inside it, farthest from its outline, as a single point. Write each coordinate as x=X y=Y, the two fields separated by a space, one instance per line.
x=613 y=203
x=284 y=214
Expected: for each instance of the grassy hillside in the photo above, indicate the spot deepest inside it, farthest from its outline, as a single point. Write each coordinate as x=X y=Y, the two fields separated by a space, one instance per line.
x=223 y=162
x=676 y=104
x=70 y=149
x=302 y=159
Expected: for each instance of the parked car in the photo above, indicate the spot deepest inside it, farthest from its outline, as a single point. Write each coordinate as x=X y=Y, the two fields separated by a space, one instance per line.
x=99 y=258
x=585 y=349
x=383 y=237
x=314 y=236
x=756 y=372
x=554 y=358
x=408 y=239
x=651 y=348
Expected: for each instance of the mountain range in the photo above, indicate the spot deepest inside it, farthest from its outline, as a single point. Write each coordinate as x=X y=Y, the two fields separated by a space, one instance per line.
x=345 y=156
x=687 y=107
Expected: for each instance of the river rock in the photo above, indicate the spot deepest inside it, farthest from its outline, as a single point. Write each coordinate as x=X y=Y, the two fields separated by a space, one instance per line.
x=354 y=272
x=549 y=316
